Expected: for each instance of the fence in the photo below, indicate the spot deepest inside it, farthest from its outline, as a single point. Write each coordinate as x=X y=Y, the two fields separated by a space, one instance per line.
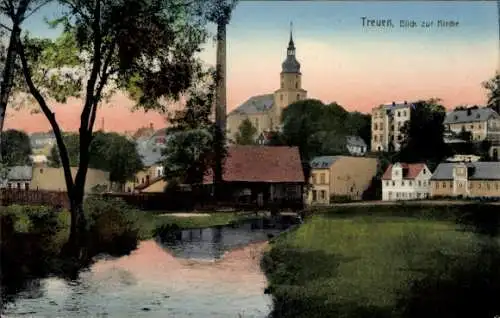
x=185 y=201
x=34 y=197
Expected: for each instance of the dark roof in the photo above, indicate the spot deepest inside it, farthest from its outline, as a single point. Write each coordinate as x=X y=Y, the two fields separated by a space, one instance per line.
x=290 y=65
x=478 y=171
x=262 y=164
x=323 y=162
x=256 y=104
x=469 y=116
x=410 y=170
x=19 y=173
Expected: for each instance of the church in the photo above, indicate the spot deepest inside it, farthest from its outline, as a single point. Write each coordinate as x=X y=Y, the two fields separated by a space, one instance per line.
x=264 y=111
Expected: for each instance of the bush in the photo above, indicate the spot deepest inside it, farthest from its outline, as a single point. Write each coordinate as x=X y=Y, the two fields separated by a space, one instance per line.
x=113 y=226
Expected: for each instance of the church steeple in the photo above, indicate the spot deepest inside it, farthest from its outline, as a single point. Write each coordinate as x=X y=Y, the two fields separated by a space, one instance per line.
x=291 y=45
x=290 y=65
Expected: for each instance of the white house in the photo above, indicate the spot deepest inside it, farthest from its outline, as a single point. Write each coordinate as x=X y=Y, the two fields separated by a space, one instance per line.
x=405 y=181
x=356 y=145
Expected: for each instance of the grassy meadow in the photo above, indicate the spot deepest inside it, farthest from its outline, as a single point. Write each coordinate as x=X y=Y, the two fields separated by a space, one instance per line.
x=399 y=261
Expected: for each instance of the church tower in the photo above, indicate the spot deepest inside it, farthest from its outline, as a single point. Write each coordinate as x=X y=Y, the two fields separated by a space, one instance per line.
x=290 y=89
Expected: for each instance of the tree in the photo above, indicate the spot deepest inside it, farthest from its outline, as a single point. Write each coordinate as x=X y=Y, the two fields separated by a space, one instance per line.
x=16 y=148
x=18 y=11
x=145 y=47
x=319 y=129
x=493 y=88
x=108 y=152
x=190 y=149
x=423 y=135
x=246 y=133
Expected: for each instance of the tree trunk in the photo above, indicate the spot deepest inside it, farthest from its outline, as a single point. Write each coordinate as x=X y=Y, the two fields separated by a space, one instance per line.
x=10 y=64
x=220 y=107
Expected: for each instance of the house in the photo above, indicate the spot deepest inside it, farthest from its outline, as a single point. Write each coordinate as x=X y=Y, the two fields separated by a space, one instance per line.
x=264 y=174
x=342 y=176
x=406 y=181
x=356 y=145
x=52 y=179
x=472 y=179
x=387 y=121
x=481 y=122
x=17 y=177
x=463 y=158
x=264 y=138
x=39 y=160
x=150 y=179
x=42 y=139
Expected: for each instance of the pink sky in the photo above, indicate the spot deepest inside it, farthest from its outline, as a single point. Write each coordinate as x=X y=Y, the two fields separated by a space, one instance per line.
x=358 y=76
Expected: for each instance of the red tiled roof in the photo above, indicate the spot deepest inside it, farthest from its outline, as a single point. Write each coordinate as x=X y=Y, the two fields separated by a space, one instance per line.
x=410 y=170
x=261 y=164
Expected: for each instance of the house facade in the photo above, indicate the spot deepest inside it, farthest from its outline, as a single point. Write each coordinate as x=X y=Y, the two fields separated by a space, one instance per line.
x=151 y=151
x=262 y=174
x=52 y=179
x=482 y=123
x=356 y=146
x=405 y=181
x=387 y=121
x=17 y=177
x=472 y=179
x=345 y=176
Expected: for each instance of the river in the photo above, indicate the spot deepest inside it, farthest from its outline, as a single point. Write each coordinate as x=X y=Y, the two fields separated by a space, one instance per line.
x=212 y=272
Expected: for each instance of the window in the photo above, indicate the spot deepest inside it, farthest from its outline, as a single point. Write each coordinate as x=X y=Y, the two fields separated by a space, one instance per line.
x=142 y=180
x=314 y=178
x=393 y=183
x=158 y=172
x=411 y=183
x=147 y=179
x=322 y=194
x=387 y=183
x=27 y=186
x=399 y=114
x=282 y=84
x=403 y=183
x=41 y=170
x=419 y=183
x=375 y=138
x=297 y=86
x=375 y=126
x=437 y=185
x=488 y=186
x=281 y=97
x=404 y=113
x=314 y=195
x=322 y=178
x=444 y=185
x=18 y=186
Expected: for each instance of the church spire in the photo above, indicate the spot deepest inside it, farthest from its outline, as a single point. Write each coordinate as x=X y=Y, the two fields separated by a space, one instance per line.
x=290 y=65
x=291 y=45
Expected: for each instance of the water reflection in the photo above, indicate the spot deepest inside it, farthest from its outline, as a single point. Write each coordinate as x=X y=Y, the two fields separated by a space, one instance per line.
x=163 y=280
x=212 y=243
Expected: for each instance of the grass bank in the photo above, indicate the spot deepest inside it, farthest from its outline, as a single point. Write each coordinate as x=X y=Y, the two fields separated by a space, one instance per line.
x=398 y=261
x=152 y=224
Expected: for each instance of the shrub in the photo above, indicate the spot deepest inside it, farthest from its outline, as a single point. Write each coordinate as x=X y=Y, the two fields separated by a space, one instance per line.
x=112 y=226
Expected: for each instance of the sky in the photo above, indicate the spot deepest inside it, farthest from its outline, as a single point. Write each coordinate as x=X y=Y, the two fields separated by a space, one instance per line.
x=357 y=66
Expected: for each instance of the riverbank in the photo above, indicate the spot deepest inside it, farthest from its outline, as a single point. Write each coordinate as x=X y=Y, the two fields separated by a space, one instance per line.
x=150 y=223
x=380 y=261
